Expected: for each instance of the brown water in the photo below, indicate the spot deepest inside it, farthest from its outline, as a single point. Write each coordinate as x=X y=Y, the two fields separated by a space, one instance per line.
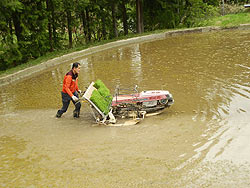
x=203 y=140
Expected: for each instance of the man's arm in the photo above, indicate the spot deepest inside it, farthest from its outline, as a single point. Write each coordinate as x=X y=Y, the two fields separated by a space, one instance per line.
x=68 y=81
x=77 y=89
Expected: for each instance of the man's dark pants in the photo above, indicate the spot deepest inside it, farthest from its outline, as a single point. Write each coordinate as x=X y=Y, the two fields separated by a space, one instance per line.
x=66 y=100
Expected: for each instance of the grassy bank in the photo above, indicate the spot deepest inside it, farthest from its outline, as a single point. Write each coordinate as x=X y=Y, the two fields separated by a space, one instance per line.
x=227 y=21
x=230 y=20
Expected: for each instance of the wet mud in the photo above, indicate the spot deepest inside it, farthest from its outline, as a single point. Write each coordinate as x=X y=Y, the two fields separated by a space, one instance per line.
x=201 y=141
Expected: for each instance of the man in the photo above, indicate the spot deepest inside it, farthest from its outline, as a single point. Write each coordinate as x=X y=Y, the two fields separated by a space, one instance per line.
x=70 y=91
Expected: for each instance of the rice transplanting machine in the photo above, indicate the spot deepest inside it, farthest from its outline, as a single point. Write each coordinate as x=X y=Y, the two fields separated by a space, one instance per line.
x=107 y=108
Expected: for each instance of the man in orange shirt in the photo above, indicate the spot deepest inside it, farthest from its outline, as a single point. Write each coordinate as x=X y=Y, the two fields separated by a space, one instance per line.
x=70 y=91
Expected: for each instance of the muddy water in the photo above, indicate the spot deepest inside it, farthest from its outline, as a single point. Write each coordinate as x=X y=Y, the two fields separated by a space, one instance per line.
x=203 y=140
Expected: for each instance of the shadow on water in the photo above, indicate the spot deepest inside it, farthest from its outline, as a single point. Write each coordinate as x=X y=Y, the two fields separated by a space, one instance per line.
x=208 y=75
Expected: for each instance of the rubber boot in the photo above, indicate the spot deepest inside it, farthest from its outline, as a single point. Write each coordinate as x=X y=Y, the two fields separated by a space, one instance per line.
x=58 y=115
x=76 y=114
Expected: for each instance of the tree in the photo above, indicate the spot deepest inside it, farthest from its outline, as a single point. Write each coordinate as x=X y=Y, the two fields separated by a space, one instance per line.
x=139 y=17
x=31 y=28
x=53 y=40
x=9 y=50
x=114 y=18
x=68 y=8
x=124 y=16
x=81 y=10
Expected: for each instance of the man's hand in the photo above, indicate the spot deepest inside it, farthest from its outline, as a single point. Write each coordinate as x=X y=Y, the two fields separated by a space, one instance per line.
x=81 y=93
x=74 y=98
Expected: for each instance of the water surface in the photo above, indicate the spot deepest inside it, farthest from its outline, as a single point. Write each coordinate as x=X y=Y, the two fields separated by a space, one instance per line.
x=205 y=131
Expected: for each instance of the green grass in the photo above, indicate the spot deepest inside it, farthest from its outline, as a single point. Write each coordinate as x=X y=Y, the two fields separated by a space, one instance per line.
x=231 y=20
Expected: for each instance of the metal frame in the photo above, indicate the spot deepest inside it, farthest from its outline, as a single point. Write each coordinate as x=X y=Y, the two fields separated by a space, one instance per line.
x=87 y=96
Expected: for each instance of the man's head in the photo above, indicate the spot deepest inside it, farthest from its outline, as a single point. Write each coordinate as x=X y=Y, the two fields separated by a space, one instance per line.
x=76 y=67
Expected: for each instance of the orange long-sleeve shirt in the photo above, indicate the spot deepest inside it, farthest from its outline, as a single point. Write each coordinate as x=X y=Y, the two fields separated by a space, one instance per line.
x=70 y=83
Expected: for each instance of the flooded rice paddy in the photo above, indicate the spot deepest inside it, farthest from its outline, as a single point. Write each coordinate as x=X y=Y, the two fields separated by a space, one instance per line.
x=203 y=140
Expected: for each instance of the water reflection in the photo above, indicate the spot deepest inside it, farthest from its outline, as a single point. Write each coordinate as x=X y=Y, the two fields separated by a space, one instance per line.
x=136 y=64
